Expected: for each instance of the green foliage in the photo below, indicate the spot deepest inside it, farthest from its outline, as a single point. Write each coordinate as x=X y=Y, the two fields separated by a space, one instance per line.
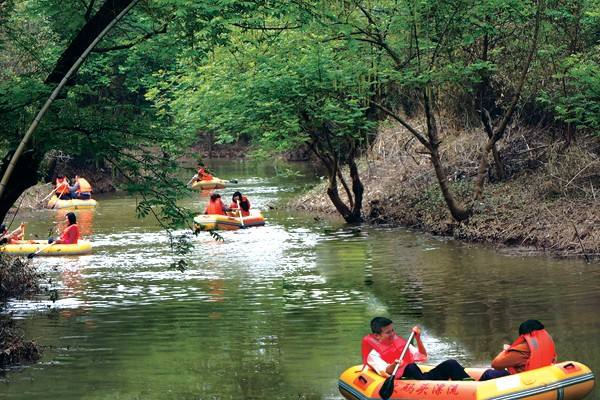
x=580 y=105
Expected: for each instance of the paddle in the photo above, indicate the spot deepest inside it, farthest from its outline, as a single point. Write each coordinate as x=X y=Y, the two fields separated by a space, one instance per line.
x=388 y=386
x=240 y=211
x=50 y=194
x=31 y=255
x=232 y=181
x=191 y=180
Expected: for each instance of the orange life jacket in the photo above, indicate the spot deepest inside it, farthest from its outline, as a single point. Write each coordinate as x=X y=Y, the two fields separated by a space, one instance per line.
x=389 y=352
x=541 y=347
x=84 y=186
x=203 y=175
x=215 y=207
x=62 y=186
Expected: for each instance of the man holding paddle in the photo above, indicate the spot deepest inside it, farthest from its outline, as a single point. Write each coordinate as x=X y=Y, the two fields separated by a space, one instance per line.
x=384 y=351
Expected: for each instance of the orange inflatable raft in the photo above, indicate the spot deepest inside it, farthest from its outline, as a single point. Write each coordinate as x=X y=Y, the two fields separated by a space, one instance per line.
x=209 y=222
x=214 y=183
x=567 y=380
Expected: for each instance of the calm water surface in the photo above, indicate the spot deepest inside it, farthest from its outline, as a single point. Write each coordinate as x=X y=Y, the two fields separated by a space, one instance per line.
x=276 y=311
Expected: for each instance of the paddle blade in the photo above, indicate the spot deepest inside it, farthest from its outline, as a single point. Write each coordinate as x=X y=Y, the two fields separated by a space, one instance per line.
x=233 y=181
x=387 y=388
x=30 y=255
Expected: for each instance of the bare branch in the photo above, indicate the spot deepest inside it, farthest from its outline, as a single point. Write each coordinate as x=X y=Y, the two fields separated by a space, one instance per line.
x=139 y=40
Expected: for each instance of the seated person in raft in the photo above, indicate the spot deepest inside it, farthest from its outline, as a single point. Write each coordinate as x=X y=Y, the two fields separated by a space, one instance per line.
x=81 y=190
x=382 y=348
x=202 y=174
x=12 y=237
x=70 y=235
x=215 y=205
x=62 y=188
x=534 y=348
x=243 y=202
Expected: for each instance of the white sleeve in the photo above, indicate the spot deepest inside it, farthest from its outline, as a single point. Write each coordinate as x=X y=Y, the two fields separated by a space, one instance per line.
x=377 y=363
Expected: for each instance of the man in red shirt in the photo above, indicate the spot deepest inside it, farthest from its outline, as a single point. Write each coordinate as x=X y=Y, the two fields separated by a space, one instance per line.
x=70 y=234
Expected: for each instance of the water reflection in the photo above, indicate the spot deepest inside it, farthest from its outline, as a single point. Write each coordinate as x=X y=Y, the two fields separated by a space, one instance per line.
x=278 y=311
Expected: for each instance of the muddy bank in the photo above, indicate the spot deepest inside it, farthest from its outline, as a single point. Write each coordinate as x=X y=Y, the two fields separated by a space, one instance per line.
x=548 y=203
x=18 y=279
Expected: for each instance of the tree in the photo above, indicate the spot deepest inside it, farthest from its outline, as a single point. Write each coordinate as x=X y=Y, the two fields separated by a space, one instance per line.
x=424 y=42
x=281 y=92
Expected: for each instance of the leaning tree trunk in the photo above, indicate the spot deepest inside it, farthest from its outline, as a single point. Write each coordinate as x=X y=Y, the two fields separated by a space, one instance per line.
x=25 y=175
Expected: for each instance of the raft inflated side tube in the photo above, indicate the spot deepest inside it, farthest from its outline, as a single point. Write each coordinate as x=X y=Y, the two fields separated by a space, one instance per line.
x=27 y=247
x=568 y=380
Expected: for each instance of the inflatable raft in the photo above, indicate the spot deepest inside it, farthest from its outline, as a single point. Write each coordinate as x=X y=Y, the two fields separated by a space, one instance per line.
x=75 y=204
x=214 y=183
x=26 y=247
x=567 y=380
x=210 y=222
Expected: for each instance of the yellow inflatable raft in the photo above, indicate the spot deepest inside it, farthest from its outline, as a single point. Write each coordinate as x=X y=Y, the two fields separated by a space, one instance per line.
x=214 y=183
x=210 y=222
x=26 y=247
x=567 y=380
x=75 y=204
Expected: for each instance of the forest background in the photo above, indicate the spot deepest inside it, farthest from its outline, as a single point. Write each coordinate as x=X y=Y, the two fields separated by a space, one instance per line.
x=474 y=119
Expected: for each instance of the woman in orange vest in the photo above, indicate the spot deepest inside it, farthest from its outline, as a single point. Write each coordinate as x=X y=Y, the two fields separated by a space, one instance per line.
x=81 y=189
x=70 y=235
x=243 y=202
x=534 y=348
x=62 y=188
x=215 y=205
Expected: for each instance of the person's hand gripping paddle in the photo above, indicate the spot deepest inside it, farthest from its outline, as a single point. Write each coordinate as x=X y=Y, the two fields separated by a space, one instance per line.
x=388 y=386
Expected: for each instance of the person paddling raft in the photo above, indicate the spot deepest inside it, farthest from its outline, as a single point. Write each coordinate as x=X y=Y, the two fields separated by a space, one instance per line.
x=12 y=237
x=382 y=349
x=62 y=188
x=534 y=348
x=81 y=189
x=70 y=235
x=243 y=202
x=202 y=174
x=215 y=205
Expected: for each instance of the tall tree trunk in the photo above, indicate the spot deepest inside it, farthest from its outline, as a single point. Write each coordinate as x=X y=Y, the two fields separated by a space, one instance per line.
x=350 y=214
x=458 y=212
x=358 y=189
x=494 y=135
x=498 y=164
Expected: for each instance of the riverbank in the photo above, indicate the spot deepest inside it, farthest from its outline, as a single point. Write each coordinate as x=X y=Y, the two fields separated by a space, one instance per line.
x=548 y=203
x=18 y=279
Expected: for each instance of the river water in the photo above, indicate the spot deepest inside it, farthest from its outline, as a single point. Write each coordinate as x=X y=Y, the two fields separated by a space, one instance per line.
x=276 y=311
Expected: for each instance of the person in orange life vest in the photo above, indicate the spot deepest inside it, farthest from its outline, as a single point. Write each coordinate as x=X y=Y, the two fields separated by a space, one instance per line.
x=534 y=348
x=62 y=188
x=215 y=205
x=12 y=237
x=81 y=189
x=382 y=348
x=70 y=235
x=202 y=174
x=244 y=204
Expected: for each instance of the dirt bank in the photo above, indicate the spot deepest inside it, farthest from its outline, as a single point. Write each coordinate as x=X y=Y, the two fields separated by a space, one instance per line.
x=549 y=201
x=18 y=279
